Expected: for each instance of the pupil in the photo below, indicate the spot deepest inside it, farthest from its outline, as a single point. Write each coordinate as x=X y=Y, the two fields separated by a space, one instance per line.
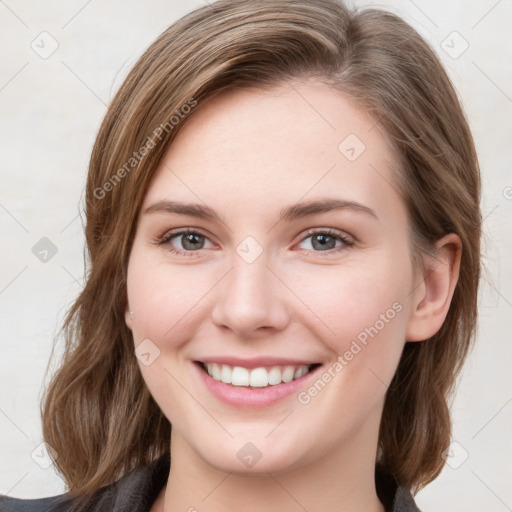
x=192 y=241
x=323 y=242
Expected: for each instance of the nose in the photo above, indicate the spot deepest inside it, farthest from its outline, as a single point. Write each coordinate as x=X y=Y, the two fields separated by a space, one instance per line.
x=250 y=300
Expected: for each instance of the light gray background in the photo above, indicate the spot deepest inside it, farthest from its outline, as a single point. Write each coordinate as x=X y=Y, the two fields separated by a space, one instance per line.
x=50 y=112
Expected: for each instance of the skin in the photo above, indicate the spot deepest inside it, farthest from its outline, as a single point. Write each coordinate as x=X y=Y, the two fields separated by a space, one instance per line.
x=247 y=154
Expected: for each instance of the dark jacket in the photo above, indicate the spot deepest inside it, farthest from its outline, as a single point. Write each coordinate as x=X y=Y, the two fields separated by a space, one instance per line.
x=137 y=491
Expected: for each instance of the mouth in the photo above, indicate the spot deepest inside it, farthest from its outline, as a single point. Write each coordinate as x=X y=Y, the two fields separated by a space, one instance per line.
x=260 y=377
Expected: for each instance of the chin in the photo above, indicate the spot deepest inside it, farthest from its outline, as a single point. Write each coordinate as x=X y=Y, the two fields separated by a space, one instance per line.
x=251 y=459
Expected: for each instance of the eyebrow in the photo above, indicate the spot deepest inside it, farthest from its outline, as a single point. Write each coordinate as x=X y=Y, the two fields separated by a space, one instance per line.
x=289 y=213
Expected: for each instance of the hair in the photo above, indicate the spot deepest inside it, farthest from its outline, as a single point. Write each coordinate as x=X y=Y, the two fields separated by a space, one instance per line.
x=97 y=412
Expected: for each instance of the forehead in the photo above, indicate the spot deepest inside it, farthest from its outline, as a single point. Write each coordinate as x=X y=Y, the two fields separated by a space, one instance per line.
x=262 y=147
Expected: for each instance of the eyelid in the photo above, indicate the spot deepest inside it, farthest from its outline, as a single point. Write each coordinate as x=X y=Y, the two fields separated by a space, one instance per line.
x=328 y=231
x=171 y=233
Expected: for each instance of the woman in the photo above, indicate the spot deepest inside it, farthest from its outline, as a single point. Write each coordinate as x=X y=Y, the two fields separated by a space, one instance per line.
x=283 y=227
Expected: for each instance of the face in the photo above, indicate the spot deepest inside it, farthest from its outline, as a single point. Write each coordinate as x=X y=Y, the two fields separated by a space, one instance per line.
x=272 y=245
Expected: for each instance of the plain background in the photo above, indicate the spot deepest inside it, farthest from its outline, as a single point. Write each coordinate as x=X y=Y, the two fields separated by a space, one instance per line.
x=51 y=107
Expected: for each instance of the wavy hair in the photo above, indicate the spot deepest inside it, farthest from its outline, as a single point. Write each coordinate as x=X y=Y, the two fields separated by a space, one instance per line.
x=97 y=412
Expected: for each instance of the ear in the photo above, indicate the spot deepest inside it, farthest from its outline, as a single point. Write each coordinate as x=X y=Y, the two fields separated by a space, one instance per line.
x=128 y=317
x=432 y=298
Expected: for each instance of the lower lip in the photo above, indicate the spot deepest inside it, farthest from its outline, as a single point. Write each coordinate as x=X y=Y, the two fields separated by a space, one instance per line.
x=242 y=396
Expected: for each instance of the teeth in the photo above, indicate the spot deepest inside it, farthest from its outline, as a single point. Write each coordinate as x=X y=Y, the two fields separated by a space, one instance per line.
x=257 y=377
x=240 y=376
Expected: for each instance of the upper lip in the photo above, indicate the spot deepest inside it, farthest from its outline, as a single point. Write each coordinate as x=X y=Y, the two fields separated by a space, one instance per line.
x=255 y=362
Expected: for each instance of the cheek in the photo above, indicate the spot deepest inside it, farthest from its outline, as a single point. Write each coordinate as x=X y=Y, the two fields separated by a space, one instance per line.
x=363 y=311
x=353 y=303
x=162 y=297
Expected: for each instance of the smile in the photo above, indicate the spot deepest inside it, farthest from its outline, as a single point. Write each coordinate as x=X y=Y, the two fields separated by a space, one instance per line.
x=254 y=383
x=260 y=377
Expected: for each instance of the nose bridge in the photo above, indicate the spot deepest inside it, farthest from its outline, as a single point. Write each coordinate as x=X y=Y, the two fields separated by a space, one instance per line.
x=249 y=298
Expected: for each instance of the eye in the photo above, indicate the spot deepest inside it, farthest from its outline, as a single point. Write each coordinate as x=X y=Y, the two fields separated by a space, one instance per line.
x=325 y=240
x=188 y=242
x=185 y=242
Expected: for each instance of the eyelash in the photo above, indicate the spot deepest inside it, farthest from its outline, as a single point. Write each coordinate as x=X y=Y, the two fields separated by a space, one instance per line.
x=165 y=240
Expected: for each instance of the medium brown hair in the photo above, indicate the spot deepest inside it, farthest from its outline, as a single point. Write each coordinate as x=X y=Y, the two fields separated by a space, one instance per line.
x=98 y=413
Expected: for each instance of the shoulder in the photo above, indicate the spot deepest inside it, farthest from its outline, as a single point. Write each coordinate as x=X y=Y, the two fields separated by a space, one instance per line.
x=135 y=492
x=52 y=504
x=404 y=502
x=394 y=497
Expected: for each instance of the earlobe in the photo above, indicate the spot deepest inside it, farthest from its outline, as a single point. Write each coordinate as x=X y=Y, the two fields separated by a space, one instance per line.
x=432 y=299
x=128 y=317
